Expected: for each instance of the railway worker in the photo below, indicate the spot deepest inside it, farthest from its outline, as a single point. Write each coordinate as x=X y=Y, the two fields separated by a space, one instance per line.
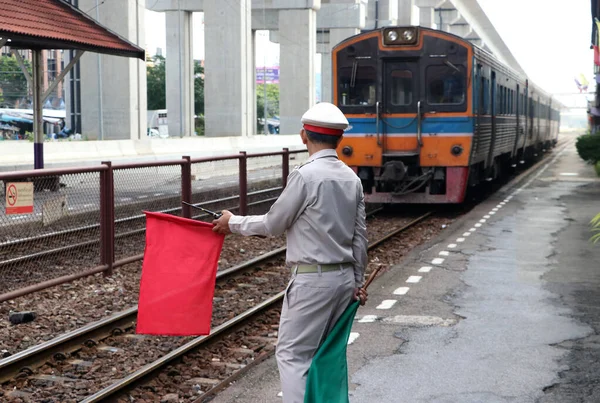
x=323 y=211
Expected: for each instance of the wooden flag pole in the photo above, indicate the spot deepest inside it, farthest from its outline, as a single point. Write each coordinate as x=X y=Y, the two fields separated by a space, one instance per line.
x=371 y=277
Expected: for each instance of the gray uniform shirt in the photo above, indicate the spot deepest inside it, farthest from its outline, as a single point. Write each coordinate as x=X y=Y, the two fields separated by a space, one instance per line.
x=322 y=209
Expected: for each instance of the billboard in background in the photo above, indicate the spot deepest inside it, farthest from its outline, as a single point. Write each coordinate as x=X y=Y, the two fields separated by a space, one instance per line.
x=272 y=75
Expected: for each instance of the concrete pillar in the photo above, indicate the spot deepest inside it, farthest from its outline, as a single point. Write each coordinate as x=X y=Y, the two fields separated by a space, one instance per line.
x=113 y=103
x=228 y=88
x=382 y=13
x=427 y=17
x=335 y=37
x=297 y=36
x=405 y=9
x=252 y=81
x=180 y=73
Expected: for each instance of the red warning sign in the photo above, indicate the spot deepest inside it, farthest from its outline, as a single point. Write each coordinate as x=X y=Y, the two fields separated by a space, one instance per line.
x=19 y=198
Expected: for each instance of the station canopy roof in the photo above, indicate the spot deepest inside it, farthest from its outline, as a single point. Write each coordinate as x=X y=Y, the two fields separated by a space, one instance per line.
x=55 y=24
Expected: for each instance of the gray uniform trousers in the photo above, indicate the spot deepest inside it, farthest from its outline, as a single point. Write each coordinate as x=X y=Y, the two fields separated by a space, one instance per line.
x=312 y=305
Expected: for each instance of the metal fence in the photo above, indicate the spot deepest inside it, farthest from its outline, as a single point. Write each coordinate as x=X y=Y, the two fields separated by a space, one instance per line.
x=90 y=220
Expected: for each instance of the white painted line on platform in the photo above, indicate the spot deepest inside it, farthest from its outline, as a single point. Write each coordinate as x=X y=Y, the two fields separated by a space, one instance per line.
x=444 y=253
x=414 y=320
x=452 y=246
x=401 y=291
x=482 y=220
x=492 y=212
x=569 y=174
x=414 y=279
x=425 y=269
x=487 y=216
x=386 y=304
x=478 y=225
x=495 y=209
x=368 y=319
x=466 y=234
x=437 y=260
x=280 y=394
x=472 y=229
x=509 y=197
x=351 y=339
x=460 y=239
x=499 y=206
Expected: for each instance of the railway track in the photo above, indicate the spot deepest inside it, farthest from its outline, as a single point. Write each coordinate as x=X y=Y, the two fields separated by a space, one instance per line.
x=26 y=261
x=24 y=363
x=76 y=233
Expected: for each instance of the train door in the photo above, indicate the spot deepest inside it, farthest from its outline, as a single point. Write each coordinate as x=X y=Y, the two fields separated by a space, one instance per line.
x=525 y=121
x=494 y=106
x=479 y=108
x=401 y=103
x=518 y=134
x=531 y=114
x=538 y=112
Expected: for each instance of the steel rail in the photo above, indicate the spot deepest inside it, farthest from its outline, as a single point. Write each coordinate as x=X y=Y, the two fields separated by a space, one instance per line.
x=51 y=252
x=127 y=219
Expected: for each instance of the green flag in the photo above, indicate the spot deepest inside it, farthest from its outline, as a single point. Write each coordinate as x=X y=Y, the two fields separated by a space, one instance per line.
x=327 y=380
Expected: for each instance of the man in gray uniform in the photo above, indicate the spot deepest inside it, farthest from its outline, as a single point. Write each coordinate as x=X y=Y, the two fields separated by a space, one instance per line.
x=323 y=211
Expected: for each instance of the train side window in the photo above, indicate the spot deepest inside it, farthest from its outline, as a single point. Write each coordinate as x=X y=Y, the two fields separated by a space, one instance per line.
x=445 y=85
x=402 y=87
x=357 y=86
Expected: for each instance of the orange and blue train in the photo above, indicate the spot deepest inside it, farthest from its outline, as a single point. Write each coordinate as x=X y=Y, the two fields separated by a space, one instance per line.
x=431 y=114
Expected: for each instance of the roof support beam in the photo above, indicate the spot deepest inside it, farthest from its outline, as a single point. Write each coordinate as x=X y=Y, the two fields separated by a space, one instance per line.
x=3 y=42
x=21 y=63
x=62 y=75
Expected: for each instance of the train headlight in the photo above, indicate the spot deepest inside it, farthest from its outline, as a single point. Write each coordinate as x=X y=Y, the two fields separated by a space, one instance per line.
x=400 y=36
x=408 y=35
x=347 y=151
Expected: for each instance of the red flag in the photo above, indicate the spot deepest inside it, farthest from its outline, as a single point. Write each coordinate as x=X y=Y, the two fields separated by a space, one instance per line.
x=178 y=276
x=596 y=56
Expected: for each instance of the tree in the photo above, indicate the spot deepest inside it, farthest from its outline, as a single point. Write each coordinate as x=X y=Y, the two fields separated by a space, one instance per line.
x=13 y=84
x=272 y=103
x=156 y=83
x=198 y=88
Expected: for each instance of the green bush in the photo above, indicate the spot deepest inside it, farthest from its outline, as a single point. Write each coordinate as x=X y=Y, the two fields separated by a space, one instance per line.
x=598 y=168
x=588 y=147
x=199 y=125
x=596 y=228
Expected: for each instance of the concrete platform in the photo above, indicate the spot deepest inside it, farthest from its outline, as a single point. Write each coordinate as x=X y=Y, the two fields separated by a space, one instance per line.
x=505 y=308
x=18 y=155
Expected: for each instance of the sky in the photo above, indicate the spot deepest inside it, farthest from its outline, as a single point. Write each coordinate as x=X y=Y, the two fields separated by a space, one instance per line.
x=549 y=38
